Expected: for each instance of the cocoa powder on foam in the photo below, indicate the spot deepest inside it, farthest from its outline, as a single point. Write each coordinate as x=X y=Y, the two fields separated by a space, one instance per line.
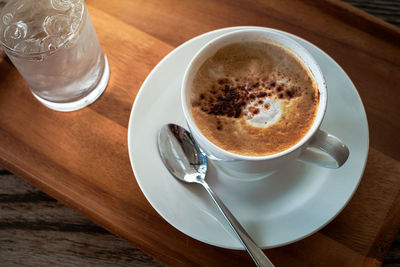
x=245 y=73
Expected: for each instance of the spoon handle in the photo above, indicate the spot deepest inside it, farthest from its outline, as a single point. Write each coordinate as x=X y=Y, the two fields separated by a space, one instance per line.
x=255 y=252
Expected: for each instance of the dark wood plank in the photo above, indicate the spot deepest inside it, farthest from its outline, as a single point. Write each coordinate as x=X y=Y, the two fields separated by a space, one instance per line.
x=37 y=230
x=387 y=10
x=393 y=256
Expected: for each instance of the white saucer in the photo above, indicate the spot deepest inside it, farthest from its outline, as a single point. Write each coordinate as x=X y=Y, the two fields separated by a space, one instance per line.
x=283 y=208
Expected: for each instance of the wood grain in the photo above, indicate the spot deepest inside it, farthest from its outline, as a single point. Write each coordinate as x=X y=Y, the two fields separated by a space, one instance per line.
x=81 y=157
x=37 y=230
x=388 y=11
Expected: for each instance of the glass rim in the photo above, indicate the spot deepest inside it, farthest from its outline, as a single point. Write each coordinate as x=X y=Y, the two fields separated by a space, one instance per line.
x=48 y=52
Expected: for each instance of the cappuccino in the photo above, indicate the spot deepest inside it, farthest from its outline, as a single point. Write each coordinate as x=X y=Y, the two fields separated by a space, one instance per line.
x=253 y=99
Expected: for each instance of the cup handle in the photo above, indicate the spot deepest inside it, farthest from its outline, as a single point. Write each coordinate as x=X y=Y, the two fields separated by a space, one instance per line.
x=325 y=150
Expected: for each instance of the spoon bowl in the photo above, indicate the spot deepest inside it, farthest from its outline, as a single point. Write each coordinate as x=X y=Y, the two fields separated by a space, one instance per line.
x=181 y=155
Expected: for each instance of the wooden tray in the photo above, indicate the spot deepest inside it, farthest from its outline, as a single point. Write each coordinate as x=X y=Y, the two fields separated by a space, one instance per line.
x=81 y=158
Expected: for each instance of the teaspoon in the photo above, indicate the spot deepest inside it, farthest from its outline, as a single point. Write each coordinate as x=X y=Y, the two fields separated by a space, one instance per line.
x=187 y=162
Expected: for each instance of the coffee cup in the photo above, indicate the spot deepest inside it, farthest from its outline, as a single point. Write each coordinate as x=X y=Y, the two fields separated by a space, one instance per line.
x=314 y=146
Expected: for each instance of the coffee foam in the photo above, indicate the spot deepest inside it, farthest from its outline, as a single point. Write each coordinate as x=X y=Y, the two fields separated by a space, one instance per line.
x=251 y=96
x=253 y=99
x=262 y=113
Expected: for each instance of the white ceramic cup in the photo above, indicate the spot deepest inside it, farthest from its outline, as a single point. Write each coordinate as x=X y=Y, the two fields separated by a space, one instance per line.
x=317 y=146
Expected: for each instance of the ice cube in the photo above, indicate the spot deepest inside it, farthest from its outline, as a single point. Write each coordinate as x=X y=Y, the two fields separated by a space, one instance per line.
x=7 y=18
x=62 y=5
x=50 y=43
x=14 y=33
x=57 y=25
x=28 y=46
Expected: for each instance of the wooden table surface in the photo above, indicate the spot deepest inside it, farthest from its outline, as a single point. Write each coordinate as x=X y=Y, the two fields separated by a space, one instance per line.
x=81 y=157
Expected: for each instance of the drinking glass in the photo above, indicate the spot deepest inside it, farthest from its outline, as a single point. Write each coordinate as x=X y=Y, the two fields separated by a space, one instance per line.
x=54 y=46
